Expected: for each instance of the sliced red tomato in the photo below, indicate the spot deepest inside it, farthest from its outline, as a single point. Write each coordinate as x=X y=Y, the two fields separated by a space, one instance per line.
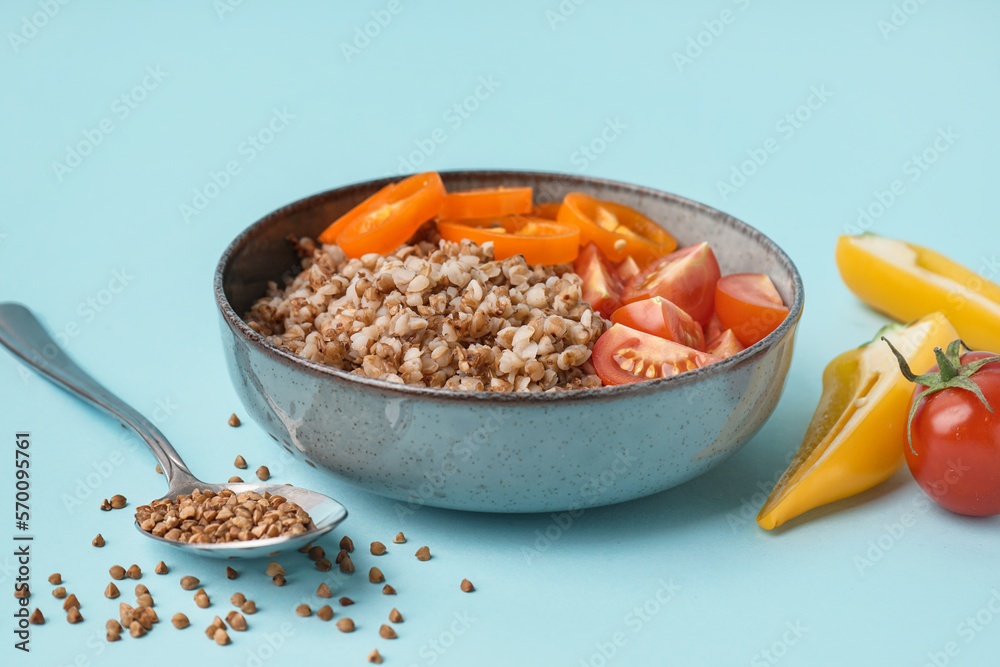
x=599 y=288
x=712 y=330
x=540 y=241
x=686 y=277
x=618 y=230
x=486 y=203
x=386 y=220
x=661 y=318
x=626 y=270
x=749 y=304
x=548 y=210
x=623 y=355
x=726 y=344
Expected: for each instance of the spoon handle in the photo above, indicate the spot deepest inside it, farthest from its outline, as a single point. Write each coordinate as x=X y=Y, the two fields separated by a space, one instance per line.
x=23 y=334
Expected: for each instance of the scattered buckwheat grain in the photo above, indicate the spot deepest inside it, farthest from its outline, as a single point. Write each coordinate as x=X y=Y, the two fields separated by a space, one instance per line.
x=59 y=592
x=36 y=617
x=395 y=616
x=234 y=421
x=98 y=541
x=325 y=612
x=347 y=544
x=180 y=621
x=375 y=657
x=388 y=590
x=238 y=599
x=386 y=632
x=231 y=573
x=134 y=572
x=118 y=501
x=117 y=572
x=240 y=462
x=303 y=610
x=71 y=601
x=55 y=579
x=375 y=576
x=399 y=539
x=467 y=586
x=189 y=583
x=249 y=607
x=377 y=548
x=73 y=615
x=324 y=591
x=345 y=625
x=345 y=601
x=423 y=553
x=111 y=592
x=161 y=568
x=263 y=474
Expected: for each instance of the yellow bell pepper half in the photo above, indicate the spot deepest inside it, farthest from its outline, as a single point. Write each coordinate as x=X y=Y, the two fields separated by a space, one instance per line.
x=858 y=432
x=906 y=281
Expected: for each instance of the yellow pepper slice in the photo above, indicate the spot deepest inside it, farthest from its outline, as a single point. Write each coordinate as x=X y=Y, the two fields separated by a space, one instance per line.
x=858 y=432
x=906 y=281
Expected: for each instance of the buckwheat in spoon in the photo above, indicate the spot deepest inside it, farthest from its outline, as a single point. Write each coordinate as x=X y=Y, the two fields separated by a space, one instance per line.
x=243 y=520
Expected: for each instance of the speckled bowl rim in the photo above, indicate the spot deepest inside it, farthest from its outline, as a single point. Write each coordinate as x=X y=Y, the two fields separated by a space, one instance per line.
x=289 y=358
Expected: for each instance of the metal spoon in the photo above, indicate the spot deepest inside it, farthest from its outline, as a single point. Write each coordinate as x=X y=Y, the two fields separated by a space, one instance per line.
x=23 y=334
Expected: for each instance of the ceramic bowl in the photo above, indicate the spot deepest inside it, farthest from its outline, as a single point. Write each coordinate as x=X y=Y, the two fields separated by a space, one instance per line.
x=494 y=452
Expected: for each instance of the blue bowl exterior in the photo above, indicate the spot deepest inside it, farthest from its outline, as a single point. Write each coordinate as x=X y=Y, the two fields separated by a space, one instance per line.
x=516 y=452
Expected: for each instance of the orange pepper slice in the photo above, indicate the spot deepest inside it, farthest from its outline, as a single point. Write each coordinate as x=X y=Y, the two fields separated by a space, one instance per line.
x=548 y=210
x=541 y=241
x=486 y=202
x=387 y=219
x=618 y=230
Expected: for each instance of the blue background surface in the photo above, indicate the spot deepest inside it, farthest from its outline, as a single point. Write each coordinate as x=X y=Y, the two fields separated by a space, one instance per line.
x=103 y=249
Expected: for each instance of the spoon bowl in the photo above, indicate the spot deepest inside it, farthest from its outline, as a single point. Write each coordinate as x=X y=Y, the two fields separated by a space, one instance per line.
x=23 y=334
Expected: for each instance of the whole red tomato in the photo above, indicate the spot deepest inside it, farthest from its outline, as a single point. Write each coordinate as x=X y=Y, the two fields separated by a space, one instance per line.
x=955 y=440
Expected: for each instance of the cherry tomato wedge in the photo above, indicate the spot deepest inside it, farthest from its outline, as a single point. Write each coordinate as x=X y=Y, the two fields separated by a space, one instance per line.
x=626 y=270
x=618 y=230
x=712 y=330
x=599 y=287
x=548 y=210
x=623 y=355
x=540 y=241
x=486 y=202
x=686 y=277
x=661 y=318
x=749 y=304
x=726 y=344
x=388 y=219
